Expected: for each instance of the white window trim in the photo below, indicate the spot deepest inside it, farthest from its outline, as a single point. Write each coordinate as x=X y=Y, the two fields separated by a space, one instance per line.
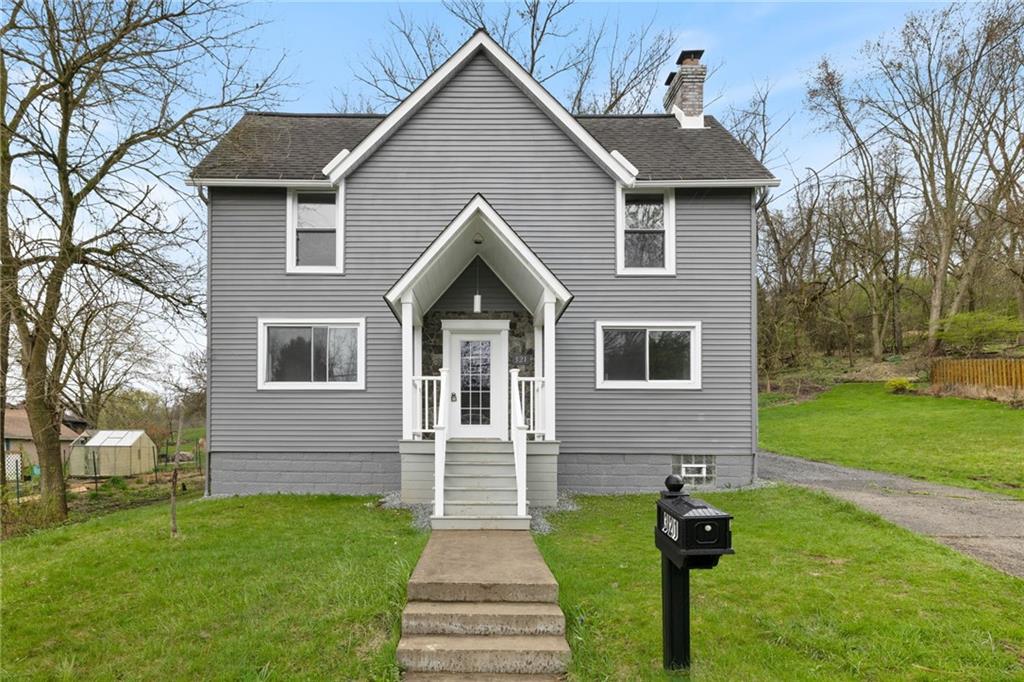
x=693 y=383
x=261 y=354
x=669 y=268
x=339 y=227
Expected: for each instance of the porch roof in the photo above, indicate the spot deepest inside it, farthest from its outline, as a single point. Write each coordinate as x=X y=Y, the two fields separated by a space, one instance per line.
x=478 y=230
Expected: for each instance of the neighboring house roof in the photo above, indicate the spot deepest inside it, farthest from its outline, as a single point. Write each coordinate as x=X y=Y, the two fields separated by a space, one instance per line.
x=16 y=426
x=281 y=146
x=114 y=438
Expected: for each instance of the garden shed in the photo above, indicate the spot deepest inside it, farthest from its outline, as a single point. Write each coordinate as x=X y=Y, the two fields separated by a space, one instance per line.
x=114 y=453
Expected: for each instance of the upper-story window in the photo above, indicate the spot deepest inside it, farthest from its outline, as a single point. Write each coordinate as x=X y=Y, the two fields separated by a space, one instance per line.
x=645 y=232
x=315 y=239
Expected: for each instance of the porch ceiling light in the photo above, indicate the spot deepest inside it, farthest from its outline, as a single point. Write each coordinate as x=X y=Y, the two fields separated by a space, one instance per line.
x=477 y=299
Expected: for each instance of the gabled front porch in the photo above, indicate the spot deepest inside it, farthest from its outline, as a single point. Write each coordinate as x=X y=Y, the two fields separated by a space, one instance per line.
x=478 y=311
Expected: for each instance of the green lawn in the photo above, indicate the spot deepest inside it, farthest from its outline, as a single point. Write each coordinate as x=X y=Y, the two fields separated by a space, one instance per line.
x=271 y=587
x=971 y=443
x=816 y=590
x=284 y=587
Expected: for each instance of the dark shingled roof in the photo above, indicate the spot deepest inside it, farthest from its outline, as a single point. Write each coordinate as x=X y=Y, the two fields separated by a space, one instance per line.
x=661 y=150
x=297 y=146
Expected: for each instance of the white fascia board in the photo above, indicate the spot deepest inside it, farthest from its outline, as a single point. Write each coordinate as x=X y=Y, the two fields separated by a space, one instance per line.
x=707 y=183
x=340 y=167
x=504 y=232
x=618 y=156
x=258 y=182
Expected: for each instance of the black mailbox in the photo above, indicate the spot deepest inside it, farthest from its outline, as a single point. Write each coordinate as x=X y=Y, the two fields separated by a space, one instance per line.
x=690 y=534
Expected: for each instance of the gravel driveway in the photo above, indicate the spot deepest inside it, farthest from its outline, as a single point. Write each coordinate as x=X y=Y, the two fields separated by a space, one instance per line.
x=988 y=527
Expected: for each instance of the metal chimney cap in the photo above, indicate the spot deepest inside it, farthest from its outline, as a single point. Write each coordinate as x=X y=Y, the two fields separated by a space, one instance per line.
x=689 y=56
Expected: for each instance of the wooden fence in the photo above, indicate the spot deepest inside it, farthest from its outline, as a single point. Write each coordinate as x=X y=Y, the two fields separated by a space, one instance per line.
x=984 y=372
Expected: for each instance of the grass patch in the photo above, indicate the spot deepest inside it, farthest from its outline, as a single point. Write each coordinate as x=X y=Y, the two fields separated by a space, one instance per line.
x=817 y=590
x=969 y=443
x=255 y=588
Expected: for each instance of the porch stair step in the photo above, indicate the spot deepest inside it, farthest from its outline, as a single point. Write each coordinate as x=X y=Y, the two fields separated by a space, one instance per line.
x=481 y=493
x=546 y=654
x=476 y=508
x=480 y=522
x=482 y=618
x=482 y=606
x=480 y=468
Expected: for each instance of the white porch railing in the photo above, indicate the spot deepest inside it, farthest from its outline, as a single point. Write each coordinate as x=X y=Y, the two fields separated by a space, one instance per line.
x=531 y=398
x=519 y=429
x=427 y=392
x=440 y=440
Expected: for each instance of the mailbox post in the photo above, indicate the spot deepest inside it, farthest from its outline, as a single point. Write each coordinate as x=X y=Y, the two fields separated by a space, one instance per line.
x=690 y=534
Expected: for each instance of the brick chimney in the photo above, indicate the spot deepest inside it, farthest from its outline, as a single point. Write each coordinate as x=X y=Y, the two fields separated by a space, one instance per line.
x=685 y=96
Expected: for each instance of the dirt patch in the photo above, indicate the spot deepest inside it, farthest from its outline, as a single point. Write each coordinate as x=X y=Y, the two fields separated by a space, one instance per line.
x=88 y=498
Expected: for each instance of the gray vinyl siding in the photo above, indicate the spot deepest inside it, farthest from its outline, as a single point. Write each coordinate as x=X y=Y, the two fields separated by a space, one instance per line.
x=481 y=134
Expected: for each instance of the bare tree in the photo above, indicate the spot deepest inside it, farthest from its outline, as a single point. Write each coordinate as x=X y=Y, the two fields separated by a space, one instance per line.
x=99 y=101
x=931 y=88
x=608 y=72
x=108 y=350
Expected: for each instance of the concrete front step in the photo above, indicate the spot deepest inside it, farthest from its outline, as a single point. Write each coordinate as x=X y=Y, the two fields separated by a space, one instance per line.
x=480 y=522
x=482 y=566
x=547 y=654
x=482 y=618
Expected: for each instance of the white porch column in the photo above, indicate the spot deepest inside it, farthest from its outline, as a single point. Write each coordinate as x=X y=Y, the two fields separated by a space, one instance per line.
x=549 y=369
x=408 y=407
x=538 y=371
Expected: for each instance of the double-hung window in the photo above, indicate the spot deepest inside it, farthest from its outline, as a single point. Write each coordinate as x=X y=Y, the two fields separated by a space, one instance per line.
x=645 y=232
x=315 y=235
x=658 y=354
x=312 y=354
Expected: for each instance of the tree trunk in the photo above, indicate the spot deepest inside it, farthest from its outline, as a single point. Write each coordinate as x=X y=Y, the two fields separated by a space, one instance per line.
x=44 y=419
x=935 y=302
x=174 y=472
x=1020 y=308
x=876 y=336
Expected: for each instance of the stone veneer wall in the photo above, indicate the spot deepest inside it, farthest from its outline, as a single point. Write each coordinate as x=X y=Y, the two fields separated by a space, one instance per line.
x=520 y=338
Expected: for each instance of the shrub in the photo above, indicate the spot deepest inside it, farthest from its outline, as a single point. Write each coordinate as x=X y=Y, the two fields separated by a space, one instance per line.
x=900 y=386
x=968 y=333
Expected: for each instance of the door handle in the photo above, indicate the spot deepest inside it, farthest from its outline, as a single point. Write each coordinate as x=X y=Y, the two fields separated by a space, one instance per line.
x=455 y=397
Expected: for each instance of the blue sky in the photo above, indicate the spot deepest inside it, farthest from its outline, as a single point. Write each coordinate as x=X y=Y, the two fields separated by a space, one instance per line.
x=749 y=42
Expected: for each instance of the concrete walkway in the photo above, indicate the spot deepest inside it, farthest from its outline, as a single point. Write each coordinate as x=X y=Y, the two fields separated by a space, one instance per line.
x=988 y=527
x=482 y=605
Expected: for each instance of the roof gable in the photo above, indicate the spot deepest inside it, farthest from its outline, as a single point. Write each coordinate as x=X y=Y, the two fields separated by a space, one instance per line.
x=612 y=162
x=478 y=231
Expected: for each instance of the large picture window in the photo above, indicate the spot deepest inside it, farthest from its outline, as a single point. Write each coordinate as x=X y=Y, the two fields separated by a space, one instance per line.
x=645 y=239
x=316 y=354
x=315 y=237
x=648 y=355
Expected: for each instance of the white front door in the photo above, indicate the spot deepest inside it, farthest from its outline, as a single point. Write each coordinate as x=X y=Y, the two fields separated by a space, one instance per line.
x=478 y=362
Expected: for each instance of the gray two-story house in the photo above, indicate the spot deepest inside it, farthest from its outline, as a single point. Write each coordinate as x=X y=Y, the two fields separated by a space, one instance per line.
x=480 y=298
